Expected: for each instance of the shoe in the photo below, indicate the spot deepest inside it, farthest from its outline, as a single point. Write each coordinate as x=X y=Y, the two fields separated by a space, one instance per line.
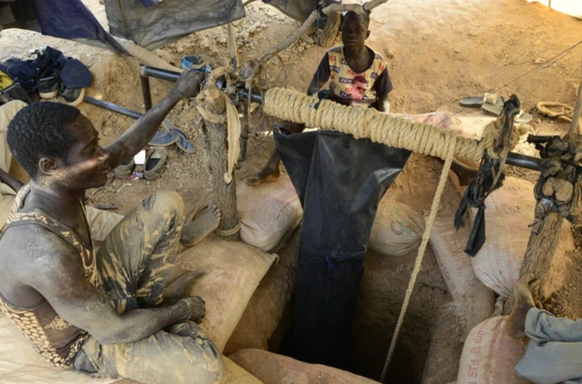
x=155 y=162
x=48 y=84
x=124 y=169
x=72 y=96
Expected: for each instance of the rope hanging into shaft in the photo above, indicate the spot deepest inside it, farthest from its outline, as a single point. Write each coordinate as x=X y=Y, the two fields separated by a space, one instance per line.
x=395 y=132
x=436 y=202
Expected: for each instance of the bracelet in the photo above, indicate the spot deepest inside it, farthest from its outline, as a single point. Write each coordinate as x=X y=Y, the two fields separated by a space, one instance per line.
x=187 y=308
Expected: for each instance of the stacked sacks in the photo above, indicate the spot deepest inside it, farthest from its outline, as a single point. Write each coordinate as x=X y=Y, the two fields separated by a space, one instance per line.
x=509 y=211
x=269 y=213
x=271 y=368
x=397 y=229
x=231 y=272
x=489 y=355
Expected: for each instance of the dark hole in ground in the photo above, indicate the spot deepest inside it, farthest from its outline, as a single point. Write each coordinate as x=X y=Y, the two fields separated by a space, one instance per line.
x=381 y=295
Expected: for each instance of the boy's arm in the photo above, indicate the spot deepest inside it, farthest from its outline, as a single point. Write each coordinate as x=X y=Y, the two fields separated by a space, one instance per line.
x=383 y=86
x=320 y=77
x=142 y=131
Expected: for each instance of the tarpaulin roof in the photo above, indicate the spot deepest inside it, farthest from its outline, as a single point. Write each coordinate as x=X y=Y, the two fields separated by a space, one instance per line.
x=150 y=23
x=154 y=26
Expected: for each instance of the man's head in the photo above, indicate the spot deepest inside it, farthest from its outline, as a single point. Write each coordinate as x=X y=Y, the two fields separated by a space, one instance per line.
x=56 y=144
x=355 y=30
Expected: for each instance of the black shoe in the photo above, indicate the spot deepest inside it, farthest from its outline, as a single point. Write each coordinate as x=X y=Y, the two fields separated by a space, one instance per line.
x=48 y=85
x=72 y=96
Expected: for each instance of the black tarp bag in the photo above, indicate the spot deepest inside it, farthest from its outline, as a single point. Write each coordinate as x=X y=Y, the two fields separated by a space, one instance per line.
x=340 y=181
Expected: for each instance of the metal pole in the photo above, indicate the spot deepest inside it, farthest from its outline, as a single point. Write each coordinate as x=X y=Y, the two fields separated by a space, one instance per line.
x=145 y=90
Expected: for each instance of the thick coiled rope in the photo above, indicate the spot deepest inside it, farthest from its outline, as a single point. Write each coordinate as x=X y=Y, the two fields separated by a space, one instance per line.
x=395 y=132
x=379 y=127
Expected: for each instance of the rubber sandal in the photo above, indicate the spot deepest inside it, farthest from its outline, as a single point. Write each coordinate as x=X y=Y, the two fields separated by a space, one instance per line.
x=477 y=101
x=163 y=139
x=182 y=140
x=496 y=110
x=124 y=169
x=155 y=162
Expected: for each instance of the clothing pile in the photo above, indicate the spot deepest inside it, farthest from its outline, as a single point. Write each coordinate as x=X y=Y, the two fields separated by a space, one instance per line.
x=51 y=73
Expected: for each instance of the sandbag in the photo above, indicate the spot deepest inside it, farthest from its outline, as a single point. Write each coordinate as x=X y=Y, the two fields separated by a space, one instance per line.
x=268 y=212
x=267 y=315
x=271 y=368
x=489 y=355
x=509 y=211
x=397 y=230
x=232 y=271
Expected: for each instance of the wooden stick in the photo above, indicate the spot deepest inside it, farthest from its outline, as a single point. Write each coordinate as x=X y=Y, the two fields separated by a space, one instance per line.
x=224 y=195
x=367 y=7
x=577 y=111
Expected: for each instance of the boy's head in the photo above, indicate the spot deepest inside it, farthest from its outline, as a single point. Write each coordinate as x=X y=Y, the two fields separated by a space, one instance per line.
x=355 y=30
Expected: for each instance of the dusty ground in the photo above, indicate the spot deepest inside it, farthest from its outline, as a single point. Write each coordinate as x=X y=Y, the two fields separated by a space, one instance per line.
x=438 y=52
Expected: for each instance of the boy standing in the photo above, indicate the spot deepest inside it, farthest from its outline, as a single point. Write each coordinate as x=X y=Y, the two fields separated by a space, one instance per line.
x=357 y=75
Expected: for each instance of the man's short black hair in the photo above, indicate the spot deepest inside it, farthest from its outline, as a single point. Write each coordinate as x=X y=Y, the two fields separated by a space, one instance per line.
x=40 y=130
x=363 y=18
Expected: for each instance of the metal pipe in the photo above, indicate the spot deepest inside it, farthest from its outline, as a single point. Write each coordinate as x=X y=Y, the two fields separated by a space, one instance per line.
x=255 y=97
x=159 y=73
x=113 y=107
x=146 y=92
x=523 y=161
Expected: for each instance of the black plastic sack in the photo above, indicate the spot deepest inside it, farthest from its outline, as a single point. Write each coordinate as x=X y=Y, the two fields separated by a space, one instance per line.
x=340 y=181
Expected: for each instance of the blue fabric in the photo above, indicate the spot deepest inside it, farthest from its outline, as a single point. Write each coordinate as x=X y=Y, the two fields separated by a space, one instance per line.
x=70 y=19
x=149 y=3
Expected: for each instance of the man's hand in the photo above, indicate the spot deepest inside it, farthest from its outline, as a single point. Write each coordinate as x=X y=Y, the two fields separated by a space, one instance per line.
x=196 y=308
x=188 y=85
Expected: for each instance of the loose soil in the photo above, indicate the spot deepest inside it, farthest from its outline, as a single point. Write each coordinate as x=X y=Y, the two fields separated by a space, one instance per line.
x=438 y=51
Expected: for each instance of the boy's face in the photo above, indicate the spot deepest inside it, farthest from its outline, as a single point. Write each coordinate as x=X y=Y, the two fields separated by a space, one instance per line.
x=354 y=33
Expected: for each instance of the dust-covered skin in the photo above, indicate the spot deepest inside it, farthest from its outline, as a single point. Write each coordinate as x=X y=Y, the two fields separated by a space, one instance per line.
x=524 y=301
x=39 y=267
x=202 y=225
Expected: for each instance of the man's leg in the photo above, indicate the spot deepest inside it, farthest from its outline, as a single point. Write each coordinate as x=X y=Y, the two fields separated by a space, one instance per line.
x=182 y=356
x=271 y=170
x=138 y=255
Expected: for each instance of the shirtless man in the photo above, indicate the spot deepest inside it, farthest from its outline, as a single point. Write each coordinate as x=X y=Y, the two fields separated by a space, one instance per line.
x=554 y=345
x=106 y=312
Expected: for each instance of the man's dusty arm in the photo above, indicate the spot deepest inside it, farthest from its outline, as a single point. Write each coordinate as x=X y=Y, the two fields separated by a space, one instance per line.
x=60 y=278
x=142 y=131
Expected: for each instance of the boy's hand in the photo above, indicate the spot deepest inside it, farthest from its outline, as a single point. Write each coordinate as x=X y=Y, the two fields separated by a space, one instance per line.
x=188 y=85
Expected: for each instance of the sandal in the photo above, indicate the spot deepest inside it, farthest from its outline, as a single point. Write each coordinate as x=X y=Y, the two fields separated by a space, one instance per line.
x=496 y=110
x=155 y=161
x=477 y=101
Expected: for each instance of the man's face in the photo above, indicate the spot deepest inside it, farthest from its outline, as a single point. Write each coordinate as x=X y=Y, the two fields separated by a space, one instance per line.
x=86 y=165
x=354 y=34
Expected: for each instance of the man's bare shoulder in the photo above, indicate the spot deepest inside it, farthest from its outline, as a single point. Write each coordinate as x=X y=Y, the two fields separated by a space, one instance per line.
x=33 y=247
